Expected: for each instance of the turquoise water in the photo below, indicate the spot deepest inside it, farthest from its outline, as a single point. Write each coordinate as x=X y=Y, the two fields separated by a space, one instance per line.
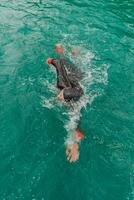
x=34 y=126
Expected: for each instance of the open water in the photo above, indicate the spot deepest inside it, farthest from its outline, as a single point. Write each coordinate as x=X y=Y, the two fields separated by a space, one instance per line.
x=34 y=125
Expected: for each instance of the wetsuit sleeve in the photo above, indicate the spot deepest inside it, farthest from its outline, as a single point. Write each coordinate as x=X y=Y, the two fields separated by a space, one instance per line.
x=62 y=77
x=55 y=63
x=72 y=69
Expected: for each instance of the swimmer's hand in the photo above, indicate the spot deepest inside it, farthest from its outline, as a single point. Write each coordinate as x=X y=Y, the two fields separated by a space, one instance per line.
x=59 y=48
x=72 y=152
x=60 y=96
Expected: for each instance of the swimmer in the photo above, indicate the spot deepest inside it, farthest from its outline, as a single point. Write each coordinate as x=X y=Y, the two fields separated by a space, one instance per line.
x=68 y=77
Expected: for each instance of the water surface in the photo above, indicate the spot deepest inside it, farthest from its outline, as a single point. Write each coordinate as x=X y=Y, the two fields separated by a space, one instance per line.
x=34 y=125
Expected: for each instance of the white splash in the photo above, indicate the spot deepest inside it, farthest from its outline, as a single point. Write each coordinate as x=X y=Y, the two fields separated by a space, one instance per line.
x=93 y=75
x=47 y=103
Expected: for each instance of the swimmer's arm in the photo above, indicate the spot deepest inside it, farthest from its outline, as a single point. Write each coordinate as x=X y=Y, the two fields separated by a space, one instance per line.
x=62 y=56
x=55 y=62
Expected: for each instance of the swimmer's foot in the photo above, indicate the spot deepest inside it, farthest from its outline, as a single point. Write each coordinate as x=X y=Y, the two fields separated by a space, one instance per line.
x=72 y=152
x=72 y=149
x=59 y=48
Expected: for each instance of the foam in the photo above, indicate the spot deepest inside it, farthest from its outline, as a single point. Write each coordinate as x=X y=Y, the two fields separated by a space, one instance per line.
x=47 y=103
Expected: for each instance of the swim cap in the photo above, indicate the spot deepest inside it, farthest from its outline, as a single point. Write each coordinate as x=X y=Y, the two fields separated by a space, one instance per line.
x=71 y=94
x=49 y=61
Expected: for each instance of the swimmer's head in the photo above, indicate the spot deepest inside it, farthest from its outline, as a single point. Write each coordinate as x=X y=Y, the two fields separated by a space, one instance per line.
x=69 y=95
x=58 y=48
x=49 y=61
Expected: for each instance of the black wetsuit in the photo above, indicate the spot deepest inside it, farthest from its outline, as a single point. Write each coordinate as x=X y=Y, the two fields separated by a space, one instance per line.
x=67 y=78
